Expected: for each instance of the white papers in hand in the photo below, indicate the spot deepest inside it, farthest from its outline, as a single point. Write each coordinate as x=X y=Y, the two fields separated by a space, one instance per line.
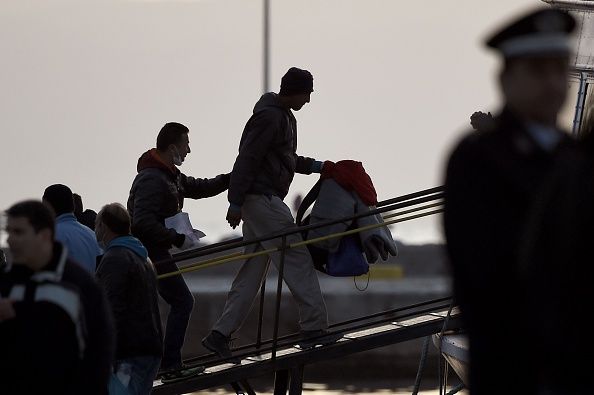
x=181 y=223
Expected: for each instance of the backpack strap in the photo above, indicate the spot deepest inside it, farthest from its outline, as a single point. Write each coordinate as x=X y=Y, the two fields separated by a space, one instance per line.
x=308 y=200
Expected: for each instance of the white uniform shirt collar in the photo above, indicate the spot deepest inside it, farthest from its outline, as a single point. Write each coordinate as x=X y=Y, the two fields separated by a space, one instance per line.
x=546 y=137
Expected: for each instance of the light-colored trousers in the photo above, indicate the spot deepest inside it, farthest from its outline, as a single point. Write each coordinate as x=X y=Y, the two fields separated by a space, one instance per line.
x=262 y=216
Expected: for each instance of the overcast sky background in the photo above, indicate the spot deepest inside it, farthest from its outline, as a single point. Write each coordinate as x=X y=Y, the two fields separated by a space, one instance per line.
x=86 y=86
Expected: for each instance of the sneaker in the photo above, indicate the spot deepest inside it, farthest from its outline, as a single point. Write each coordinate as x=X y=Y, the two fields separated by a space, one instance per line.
x=180 y=373
x=219 y=344
x=317 y=337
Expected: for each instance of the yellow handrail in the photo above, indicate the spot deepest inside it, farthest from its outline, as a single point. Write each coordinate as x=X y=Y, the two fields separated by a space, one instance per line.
x=237 y=255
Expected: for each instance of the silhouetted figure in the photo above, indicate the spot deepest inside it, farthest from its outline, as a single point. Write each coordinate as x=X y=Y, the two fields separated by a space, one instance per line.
x=158 y=192
x=56 y=332
x=79 y=240
x=78 y=205
x=84 y=216
x=556 y=260
x=491 y=182
x=262 y=174
x=130 y=282
x=481 y=121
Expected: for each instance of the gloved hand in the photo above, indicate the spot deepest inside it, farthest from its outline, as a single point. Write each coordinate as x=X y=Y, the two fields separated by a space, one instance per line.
x=481 y=121
x=234 y=215
x=188 y=243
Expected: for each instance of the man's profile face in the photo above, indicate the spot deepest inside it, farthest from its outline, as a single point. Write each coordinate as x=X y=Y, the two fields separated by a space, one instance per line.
x=24 y=242
x=537 y=86
x=299 y=100
x=183 y=146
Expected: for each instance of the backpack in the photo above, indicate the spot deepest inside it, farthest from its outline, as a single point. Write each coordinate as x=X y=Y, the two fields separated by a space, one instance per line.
x=347 y=260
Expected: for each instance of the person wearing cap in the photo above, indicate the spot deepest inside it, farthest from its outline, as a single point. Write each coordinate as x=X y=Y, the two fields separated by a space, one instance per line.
x=260 y=180
x=493 y=177
x=79 y=240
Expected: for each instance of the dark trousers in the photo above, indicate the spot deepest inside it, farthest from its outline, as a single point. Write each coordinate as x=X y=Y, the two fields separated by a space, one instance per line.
x=176 y=294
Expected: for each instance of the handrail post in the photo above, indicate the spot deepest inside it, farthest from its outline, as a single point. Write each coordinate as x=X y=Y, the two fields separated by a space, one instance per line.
x=279 y=289
x=581 y=101
x=261 y=314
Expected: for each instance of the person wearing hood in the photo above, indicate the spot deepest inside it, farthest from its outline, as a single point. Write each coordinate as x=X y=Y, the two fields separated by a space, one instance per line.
x=127 y=275
x=260 y=180
x=158 y=192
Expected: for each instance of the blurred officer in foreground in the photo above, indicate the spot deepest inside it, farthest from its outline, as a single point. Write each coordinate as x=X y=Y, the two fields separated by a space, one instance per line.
x=556 y=257
x=492 y=179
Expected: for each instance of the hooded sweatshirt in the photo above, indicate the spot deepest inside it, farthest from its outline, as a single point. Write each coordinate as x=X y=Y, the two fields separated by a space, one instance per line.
x=267 y=159
x=158 y=192
x=130 y=283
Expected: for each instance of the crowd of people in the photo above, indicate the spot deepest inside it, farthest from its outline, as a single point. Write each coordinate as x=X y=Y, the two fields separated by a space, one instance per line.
x=80 y=295
x=79 y=309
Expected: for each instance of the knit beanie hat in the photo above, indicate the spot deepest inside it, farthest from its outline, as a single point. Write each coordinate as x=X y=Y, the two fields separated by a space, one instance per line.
x=296 y=81
x=59 y=197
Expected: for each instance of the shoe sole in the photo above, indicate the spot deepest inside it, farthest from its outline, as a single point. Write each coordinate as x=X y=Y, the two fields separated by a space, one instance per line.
x=323 y=341
x=230 y=359
x=189 y=376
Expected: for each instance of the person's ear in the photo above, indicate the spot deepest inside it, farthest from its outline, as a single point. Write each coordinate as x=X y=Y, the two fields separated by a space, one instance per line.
x=46 y=234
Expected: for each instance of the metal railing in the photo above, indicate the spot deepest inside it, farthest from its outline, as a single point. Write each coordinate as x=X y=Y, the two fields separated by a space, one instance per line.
x=409 y=205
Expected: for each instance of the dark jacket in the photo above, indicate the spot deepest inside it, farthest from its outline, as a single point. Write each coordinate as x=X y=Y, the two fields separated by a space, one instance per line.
x=130 y=283
x=493 y=177
x=267 y=159
x=62 y=339
x=158 y=192
x=556 y=260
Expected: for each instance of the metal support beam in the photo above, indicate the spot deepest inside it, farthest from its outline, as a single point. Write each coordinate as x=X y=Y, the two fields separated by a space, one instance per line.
x=581 y=101
x=247 y=387
x=261 y=311
x=279 y=292
x=296 y=384
x=281 y=382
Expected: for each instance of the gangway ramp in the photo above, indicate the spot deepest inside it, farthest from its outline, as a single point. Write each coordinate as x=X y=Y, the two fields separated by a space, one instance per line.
x=290 y=359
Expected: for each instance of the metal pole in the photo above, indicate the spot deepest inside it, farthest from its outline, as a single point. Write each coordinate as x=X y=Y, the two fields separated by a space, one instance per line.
x=572 y=4
x=266 y=46
x=261 y=315
x=279 y=289
x=296 y=380
x=579 y=107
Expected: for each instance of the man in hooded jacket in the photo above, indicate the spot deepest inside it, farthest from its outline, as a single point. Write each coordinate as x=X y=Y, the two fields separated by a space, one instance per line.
x=260 y=180
x=158 y=192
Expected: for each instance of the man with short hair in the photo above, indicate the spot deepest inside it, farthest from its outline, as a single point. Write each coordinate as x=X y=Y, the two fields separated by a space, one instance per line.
x=158 y=192
x=129 y=280
x=260 y=180
x=79 y=240
x=56 y=332
x=493 y=178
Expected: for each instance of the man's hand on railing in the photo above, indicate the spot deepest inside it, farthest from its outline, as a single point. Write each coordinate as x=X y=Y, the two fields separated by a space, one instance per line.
x=481 y=121
x=234 y=215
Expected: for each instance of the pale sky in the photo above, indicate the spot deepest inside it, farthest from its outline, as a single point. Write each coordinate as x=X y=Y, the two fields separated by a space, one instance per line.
x=88 y=84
